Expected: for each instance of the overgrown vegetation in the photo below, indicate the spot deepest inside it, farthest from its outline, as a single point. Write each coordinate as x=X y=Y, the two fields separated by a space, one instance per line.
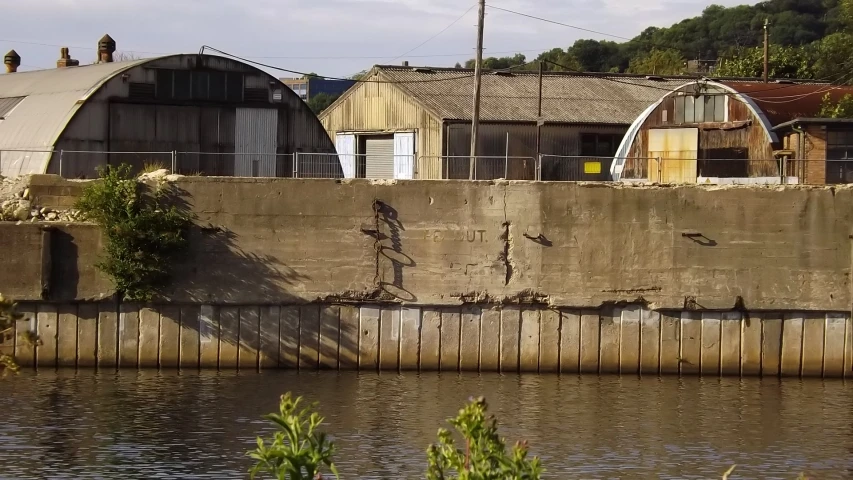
x=843 y=108
x=144 y=229
x=8 y=317
x=810 y=39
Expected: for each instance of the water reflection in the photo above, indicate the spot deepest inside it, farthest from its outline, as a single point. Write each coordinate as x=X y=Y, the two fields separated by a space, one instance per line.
x=198 y=425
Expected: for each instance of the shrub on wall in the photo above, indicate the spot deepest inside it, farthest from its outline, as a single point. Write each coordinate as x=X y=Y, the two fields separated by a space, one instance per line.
x=145 y=231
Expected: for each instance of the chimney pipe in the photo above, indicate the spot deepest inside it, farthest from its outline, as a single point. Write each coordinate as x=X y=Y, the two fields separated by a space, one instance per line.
x=12 y=61
x=106 y=48
x=65 y=59
x=405 y=63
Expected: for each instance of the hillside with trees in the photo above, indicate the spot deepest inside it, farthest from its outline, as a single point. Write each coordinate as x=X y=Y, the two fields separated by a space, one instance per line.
x=809 y=39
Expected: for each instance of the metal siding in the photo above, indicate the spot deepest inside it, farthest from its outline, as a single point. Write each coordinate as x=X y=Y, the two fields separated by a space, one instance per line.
x=255 y=142
x=384 y=108
x=379 y=157
x=678 y=145
x=73 y=103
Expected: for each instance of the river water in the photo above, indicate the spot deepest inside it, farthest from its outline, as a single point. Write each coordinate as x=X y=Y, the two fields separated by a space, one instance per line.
x=152 y=425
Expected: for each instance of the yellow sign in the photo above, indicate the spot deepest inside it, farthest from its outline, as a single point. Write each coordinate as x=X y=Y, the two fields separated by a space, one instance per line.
x=592 y=168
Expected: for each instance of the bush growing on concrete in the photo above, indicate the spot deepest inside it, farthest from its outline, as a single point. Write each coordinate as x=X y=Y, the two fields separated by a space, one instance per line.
x=8 y=317
x=7 y=332
x=145 y=231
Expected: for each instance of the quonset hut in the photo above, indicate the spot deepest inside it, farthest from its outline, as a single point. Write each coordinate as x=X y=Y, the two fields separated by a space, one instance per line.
x=222 y=116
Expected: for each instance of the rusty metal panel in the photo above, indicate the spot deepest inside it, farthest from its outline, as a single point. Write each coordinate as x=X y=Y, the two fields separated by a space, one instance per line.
x=677 y=148
x=255 y=142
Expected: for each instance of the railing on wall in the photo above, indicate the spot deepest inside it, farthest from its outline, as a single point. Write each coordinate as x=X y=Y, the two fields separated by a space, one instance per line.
x=83 y=164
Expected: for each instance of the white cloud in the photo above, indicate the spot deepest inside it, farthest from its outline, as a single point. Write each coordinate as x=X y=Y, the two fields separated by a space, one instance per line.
x=318 y=29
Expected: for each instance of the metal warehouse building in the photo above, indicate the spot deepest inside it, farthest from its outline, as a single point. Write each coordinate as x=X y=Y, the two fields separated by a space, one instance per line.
x=224 y=117
x=415 y=122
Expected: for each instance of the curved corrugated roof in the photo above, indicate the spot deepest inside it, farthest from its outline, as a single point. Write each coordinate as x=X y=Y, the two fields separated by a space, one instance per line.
x=46 y=102
x=783 y=103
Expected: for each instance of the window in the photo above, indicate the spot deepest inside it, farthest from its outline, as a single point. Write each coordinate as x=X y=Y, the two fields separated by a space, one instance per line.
x=704 y=108
x=599 y=144
x=186 y=85
x=839 y=156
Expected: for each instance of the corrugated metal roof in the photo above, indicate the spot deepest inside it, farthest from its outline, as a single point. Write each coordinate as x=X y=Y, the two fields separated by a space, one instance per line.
x=783 y=103
x=567 y=97
x=7 y=104
x=49 y=100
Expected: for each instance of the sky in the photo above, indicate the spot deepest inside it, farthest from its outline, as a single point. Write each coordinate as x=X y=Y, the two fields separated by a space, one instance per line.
x=329 y=37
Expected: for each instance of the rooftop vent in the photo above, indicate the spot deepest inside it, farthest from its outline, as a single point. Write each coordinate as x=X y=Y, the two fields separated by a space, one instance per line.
x=783 y=81
x=106 y=48
x=655 y=78
x=423 y=70
x=12 y=61
x=502 y=73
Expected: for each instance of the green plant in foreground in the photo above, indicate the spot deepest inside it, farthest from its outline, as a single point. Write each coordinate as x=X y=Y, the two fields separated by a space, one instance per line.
x=297 y=450
x=485 y=456
x=8 y=317
x=144 y=230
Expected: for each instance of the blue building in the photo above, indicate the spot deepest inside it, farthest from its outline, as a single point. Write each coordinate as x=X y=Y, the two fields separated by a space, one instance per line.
x=307 y=87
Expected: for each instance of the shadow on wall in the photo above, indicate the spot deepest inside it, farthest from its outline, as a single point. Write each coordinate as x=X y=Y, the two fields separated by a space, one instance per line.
x=390 y=246
x=217 y=271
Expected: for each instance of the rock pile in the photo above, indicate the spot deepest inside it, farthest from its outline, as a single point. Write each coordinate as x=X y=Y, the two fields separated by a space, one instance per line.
x=16 y=205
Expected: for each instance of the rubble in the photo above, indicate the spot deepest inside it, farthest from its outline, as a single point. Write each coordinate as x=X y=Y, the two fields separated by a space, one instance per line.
x=16 y=205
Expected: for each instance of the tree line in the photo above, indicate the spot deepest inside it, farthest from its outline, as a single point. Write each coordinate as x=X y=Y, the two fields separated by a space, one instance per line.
x=810 y=39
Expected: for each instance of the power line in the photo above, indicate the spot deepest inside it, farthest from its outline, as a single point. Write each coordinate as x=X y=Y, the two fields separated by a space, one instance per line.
x=437 y=34
x=558 y=23
x=307 y=57
x=295 y=72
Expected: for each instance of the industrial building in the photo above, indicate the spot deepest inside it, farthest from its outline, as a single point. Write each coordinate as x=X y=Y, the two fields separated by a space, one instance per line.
x=310 y=86
x=221 y=116
x=738 y=131
x=415 y=122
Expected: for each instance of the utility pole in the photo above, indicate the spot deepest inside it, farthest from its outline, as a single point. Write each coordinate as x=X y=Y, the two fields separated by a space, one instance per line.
x=766 y=51
x=539 y=117
x=478 y=77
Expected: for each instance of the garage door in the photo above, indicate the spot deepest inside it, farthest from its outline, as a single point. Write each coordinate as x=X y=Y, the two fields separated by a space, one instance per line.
x=379 y=157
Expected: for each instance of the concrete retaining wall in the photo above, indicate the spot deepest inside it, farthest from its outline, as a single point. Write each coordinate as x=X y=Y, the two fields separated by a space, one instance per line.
x=627 y=340
x=290 y=241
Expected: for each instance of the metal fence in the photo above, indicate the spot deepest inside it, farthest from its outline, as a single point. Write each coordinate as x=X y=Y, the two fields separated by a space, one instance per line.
x=84 y=164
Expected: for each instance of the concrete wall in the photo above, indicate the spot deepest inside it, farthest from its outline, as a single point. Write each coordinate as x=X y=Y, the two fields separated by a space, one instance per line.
x=628 y=340
x=567 y=245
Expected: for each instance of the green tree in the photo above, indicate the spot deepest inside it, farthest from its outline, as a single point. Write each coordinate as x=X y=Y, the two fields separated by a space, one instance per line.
x=145 y=231
x=658 y=62
x=494 y=63
x=785 y=62
x=321 y=101
x=843 y=108
x=485 y=456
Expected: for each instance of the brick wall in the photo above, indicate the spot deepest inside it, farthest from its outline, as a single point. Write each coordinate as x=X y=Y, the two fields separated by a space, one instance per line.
x=815 y=154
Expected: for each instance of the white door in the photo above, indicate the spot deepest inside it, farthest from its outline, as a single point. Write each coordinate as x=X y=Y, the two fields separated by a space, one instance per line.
x=379 y=156
x=404 y=156
x=345 y=145
x=255 y=140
